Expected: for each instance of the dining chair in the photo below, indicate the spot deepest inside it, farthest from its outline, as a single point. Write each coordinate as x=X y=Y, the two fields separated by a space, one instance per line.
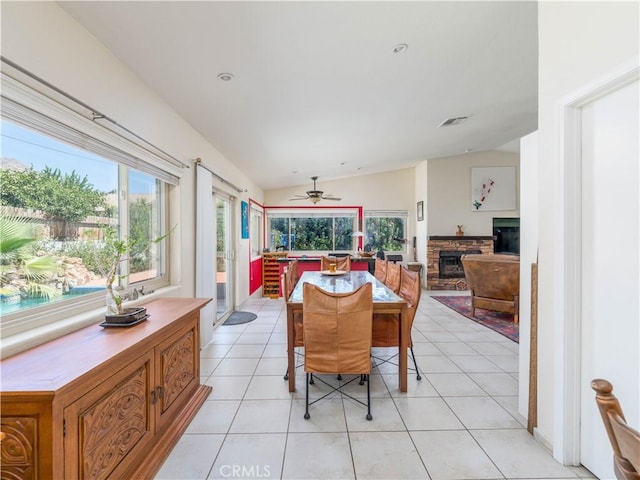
x=385 y=325
x=289 y=282
x=337 y=338
x=341 y=263
x=380 y=271
x=392 y=280
x=625 y=441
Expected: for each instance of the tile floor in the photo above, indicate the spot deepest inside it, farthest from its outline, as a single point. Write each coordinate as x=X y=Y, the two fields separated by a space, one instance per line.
x=459 y=422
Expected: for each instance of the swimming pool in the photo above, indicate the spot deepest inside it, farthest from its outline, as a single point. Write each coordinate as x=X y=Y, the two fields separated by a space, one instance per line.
x=9 y=305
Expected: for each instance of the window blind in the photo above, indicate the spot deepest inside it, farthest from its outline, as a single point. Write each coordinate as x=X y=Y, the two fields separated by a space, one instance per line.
x=33 y=110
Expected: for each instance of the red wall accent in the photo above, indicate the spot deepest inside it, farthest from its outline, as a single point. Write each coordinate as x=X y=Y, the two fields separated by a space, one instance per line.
x=255 y=275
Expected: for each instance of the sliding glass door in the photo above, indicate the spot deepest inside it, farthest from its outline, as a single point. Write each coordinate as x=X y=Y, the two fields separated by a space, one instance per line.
x=224 y=255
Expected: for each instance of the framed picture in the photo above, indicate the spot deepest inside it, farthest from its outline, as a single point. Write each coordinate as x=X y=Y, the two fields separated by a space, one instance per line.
x=420 y=211
x=244 y=212
x=493 y=188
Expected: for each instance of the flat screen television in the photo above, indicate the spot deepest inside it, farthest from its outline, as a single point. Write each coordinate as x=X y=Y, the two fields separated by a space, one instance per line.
x=507 y=233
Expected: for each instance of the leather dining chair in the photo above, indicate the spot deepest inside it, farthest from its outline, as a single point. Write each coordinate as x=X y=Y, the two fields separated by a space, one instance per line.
x=392 y=280
x=625 y=441
x=385 y=325
x=337 y=338
x=289 y=282
x=380 y=271
x=342 y=263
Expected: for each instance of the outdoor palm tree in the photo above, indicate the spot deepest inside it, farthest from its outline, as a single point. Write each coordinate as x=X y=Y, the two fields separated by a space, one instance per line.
x=21 y=272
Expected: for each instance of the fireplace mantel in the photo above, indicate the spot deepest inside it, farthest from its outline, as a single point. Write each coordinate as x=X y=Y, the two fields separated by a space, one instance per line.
x=461 y=237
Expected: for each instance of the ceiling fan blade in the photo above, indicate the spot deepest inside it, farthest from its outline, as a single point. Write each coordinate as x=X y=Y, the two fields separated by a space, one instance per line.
x=299 y=198
x=331 y=198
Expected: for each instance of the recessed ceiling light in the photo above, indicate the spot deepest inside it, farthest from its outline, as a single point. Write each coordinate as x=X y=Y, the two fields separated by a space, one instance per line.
x=225 y=77
x=401 y=47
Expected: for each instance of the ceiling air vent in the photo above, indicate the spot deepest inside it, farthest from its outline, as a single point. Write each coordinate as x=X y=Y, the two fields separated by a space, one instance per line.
x=449 y=122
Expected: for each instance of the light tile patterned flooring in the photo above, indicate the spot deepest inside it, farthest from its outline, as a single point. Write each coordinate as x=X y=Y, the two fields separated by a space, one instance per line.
x=459 y=422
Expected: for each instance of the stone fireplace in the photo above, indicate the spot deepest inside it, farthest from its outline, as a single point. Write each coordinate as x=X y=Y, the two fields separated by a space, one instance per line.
x=444 y=268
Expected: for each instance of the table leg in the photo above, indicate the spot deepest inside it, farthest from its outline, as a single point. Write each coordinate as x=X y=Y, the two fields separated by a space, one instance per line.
x=291 y=349
x=402 y=351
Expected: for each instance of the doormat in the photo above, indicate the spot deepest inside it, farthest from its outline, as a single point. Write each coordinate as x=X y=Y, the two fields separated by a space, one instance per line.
x=238 y=317
x=496 y=321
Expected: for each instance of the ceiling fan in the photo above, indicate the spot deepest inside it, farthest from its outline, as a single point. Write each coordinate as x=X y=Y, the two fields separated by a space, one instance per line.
x=314 y=195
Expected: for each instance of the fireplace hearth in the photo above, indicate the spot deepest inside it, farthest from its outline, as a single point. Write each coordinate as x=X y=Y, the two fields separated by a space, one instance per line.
x=444 y=269
x=450 y=263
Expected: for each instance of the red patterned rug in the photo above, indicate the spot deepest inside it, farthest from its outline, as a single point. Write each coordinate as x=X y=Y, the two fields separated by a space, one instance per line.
x=496 y=321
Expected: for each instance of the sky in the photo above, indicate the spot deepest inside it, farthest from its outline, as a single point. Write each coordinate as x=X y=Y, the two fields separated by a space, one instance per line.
x=34 y=149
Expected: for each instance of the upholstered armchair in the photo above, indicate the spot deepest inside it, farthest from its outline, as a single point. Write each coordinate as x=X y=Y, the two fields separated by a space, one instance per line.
x=494 y=282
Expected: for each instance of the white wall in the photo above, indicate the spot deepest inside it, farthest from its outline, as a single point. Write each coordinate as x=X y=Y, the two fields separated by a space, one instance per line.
x=449 y=190
x=382 y=191
x=578 y=43
x=43 y=39
x=422 y=195
x=528 y=255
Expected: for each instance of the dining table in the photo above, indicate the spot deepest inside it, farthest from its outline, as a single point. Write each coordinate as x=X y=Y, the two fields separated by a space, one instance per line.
x=384 y=301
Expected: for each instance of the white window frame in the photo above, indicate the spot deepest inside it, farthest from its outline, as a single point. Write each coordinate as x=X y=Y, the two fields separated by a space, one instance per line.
x=28 y=105
x=402 y=214
x=310 y=212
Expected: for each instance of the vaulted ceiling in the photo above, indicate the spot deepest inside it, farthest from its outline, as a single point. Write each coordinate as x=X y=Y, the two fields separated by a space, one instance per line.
x=317 y=88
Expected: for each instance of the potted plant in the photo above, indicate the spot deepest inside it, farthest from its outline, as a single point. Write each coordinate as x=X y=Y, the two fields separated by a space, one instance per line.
x=121 y=250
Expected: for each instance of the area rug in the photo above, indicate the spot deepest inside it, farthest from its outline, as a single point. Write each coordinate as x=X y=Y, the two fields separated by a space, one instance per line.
x=496 y=321
x=238 y=317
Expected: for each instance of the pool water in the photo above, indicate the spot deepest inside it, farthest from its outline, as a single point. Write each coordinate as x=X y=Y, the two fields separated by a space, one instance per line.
x=8 y=306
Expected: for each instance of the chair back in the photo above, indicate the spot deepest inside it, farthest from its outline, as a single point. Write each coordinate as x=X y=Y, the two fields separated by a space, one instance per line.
x=385 y=325
x=625 y=441
x=337 y=330
x=392 y=280
x=380 y=271
x=342 y=263
x=290 y=279
x=295 y=276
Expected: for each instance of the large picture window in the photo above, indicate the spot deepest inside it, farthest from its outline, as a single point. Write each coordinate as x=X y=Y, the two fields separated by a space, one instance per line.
x=312 y=230
x=61 y=207
x=386 y=231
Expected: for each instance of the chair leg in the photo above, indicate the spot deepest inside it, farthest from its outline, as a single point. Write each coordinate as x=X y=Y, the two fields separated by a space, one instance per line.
x=286 y=375
x=361 y=380
x=311 y=381
x=369 y=417
x=306 y=411
x=418 y=377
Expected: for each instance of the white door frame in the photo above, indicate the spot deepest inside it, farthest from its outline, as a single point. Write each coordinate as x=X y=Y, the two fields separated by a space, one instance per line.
x=567 y=258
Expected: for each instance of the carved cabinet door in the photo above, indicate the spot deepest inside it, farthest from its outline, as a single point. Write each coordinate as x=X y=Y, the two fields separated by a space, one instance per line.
x=106 y=428
x=178 y=360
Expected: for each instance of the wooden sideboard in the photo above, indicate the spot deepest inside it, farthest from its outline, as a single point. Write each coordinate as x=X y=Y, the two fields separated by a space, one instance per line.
x=103 y=402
